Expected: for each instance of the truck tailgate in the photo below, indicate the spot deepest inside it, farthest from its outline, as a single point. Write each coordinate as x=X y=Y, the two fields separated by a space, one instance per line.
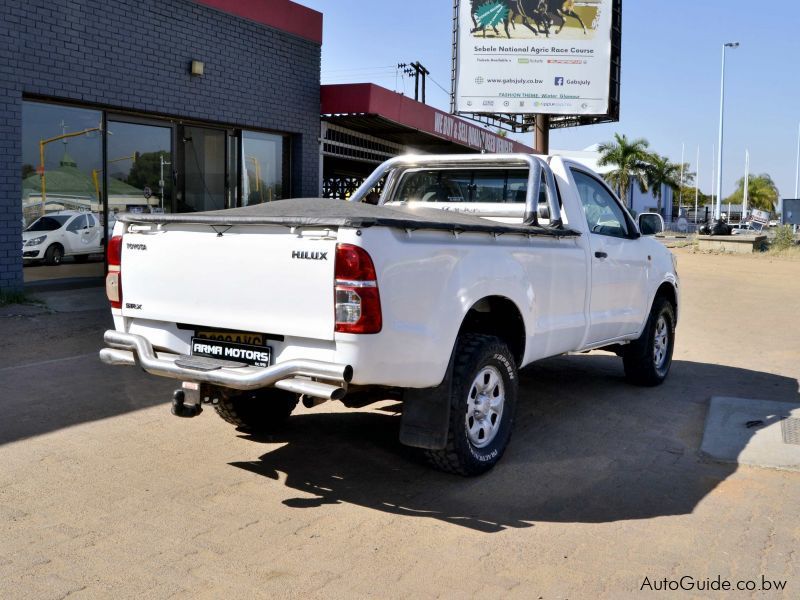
x=261 y=279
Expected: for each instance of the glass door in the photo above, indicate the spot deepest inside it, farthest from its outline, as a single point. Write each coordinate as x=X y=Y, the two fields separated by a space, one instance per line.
x=204 y=173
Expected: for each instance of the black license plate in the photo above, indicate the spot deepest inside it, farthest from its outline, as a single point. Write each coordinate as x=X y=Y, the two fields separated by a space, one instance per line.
x=258 y=356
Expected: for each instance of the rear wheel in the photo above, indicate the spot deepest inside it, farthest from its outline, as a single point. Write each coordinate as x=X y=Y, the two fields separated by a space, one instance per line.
x=483 y=401
x=54 y=254
x=258 y=410
x=647 y=360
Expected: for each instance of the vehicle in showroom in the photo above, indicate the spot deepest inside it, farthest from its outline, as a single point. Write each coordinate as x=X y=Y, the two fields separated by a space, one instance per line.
x=55 y=235
x=469 y=268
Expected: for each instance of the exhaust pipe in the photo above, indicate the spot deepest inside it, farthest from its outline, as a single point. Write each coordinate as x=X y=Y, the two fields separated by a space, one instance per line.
x=308 y=387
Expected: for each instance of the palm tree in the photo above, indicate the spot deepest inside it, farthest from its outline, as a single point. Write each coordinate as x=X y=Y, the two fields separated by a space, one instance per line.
x=630 y=157
x=660 y=172
x=762 y=193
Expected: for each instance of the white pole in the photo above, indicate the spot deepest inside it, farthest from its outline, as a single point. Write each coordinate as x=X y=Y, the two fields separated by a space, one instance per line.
x=680 y=193
x=746 y=183
x=721 y=123
x=713 y=177
x=696 y=184
x=796 y=178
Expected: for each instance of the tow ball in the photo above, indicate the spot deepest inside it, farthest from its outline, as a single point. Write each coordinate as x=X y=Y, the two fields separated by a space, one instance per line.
x=187 y=401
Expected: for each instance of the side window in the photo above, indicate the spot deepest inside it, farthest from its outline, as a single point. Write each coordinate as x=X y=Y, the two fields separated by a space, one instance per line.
x=77 y=224
x=603 y=213
x=90 y=220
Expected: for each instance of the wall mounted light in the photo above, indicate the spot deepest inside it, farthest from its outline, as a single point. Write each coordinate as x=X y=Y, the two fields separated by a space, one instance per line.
x=197 y=68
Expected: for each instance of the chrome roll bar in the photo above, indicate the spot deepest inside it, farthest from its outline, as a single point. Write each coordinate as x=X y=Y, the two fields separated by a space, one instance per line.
x=536 y=166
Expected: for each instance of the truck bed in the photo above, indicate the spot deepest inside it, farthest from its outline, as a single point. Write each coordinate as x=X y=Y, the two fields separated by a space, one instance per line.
x=322 y=212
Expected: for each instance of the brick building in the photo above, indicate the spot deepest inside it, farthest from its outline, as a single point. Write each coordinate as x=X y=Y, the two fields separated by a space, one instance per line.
x=113 y=105
x=109 y=106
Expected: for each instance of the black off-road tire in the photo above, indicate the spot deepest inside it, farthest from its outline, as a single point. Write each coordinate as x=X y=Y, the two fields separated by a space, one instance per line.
x=474 y=353
x=258 y=410
x=53 y=255
x=640 y=358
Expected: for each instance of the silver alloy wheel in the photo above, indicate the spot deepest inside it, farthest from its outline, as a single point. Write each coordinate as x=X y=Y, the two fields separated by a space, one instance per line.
x=485 y=406
x=660 y=343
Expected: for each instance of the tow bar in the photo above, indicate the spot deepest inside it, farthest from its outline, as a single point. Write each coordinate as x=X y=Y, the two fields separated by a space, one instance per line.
x=187 y=401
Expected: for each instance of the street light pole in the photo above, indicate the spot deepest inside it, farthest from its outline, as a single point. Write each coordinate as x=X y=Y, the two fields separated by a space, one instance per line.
x=717 y=212
x=680 y=191
x=696 y=184
x=746 y=184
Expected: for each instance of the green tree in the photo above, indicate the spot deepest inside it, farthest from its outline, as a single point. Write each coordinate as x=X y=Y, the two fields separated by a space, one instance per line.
x=661 y=172
x=689 y=196
x=762 y=193
x=630 y=159
x=146 y=170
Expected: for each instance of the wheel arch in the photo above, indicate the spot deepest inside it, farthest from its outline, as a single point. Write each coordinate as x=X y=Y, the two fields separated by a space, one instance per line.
x=667 y=290
x=498 y=316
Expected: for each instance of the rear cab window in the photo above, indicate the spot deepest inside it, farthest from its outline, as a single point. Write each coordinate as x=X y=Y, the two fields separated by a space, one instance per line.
x=495 y=186
x=495 y=193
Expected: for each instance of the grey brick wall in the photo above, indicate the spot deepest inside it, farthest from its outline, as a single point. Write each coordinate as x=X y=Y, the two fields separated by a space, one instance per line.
x=135 y=55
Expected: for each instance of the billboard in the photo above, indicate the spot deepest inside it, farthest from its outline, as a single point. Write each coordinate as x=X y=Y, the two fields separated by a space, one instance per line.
x=535 y=56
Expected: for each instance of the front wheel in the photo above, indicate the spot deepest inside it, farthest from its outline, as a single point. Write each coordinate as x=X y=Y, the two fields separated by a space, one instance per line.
x=483 y=400
x=258 y=410
x=647 y=360
x=53 y=255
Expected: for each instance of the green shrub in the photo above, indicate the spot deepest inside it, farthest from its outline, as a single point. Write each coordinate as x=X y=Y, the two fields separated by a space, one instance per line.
x=784 y=238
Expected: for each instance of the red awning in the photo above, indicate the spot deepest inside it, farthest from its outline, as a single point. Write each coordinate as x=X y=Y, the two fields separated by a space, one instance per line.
x=371 y=109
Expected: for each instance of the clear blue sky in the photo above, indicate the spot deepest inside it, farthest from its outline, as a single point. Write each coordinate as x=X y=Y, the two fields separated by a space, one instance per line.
x=670 y=73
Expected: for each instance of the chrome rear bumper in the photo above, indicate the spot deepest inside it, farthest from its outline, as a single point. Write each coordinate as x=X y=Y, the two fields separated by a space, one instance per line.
x=309 y=377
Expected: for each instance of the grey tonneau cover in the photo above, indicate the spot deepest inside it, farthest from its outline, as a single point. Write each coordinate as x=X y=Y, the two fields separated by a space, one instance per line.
x=321 y=212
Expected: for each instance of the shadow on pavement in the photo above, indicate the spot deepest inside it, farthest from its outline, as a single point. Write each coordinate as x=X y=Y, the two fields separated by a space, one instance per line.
x=587 y=447
x=51 y=376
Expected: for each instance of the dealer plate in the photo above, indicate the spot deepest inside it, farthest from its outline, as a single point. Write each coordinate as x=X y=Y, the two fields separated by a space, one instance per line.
x=257 y=356
x=236 y=337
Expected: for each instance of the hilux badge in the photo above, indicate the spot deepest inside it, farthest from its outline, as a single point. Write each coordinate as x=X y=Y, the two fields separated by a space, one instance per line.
x=306 y=255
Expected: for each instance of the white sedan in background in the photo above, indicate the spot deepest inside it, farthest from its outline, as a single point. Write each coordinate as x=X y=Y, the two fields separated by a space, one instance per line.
x=64 y=233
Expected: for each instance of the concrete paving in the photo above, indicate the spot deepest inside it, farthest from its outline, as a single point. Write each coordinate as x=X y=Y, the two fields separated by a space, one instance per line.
x=751 y=432
x=103 y=494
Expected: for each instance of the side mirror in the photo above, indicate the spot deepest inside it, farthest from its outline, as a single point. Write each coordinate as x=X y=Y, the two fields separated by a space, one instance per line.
x=650 y=223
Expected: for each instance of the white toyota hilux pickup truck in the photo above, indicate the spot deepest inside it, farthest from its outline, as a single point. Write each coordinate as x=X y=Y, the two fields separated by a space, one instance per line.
x=468 y=268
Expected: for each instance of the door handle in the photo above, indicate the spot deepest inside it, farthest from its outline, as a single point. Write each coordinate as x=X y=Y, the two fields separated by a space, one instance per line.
x=600 y=255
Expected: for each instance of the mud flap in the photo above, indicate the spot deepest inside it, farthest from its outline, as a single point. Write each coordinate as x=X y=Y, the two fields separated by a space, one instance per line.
x=426 y=415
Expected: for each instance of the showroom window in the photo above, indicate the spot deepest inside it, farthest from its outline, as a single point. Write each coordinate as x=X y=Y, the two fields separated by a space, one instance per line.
x=152 y=165
x=61 y=175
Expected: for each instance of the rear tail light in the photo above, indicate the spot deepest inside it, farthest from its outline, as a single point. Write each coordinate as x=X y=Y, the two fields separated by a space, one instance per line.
x=357 y=300
x=114 y=275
